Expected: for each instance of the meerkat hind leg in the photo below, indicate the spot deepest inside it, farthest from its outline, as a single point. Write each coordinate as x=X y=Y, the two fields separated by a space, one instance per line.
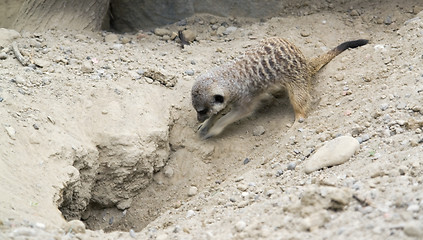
x=300 y=99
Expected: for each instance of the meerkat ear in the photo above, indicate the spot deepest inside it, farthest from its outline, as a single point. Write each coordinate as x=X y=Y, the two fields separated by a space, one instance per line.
x=218 y=98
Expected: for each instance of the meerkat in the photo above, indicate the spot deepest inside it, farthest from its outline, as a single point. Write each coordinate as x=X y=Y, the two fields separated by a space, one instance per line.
x=233 y=91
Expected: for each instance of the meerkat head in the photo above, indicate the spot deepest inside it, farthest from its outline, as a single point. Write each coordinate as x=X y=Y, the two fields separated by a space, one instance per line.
x=208 y=98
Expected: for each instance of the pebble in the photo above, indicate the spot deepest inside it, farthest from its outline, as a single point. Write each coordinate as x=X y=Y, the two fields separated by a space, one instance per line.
x=246 y=160
x=291 y=165
x=192 y=191
x=384 y=106
x=305 y=34
x=87 y=67
x=1 y=99
x=354 y=13
x=413 y=208
x=117 y=46
x=3 y=56
x=20 y=80
x=188 y=35
x=162 y=31
x=42 y=63
x=414 y=229
x=132 y=233
x=111 y=38
x=75 y=226
x=190 y=213
x=220 y=30
x=168 y=172
x=189 y=72
x=388 y=20
x=125 y=40
x=11 y=132
x=229 y=30
x=259 y=130
x=240 y=225
x=334 y=152
x=242 y=204
x=124 y=204
x=279 y=173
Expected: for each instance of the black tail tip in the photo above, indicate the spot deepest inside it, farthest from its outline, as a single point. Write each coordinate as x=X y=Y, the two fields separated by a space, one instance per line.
x=352 y=44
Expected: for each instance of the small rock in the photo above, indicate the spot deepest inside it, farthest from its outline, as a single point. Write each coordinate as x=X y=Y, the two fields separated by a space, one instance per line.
x=42 y=63
x=190 y=213
x=188 y=35
x=365 y=137
x=220 y=30
x=1 y=99
x=413 y=208
x=279 y=173
x=40 y=225
x=111 y=38
x=259 y=130
x=87 y=67
x=242 y=187
x=35 y=126
x=81 y=37
x=3 y=56
x=246 y=160
x=11 y=132
x=168 y=172
x=334 y=152
x=229 y=30
x=291 y=165
x=305 y=34
x=189 y=72
x=125 y=40
x=132 y=233
x=354 y=13
x=242 y=204
x=192 y=191
x=388 y=20
x=414 y=229
x=124 y=204
x=117 y=46
x=162 y=31
x=75 y=226
x=240 y=225
x=384 y=106
x=20 y=80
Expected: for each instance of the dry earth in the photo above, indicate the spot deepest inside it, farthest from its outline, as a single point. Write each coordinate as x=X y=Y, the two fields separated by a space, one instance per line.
x=99 y=127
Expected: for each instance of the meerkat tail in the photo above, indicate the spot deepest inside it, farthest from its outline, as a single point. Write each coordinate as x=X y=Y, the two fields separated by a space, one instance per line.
x=320 y=61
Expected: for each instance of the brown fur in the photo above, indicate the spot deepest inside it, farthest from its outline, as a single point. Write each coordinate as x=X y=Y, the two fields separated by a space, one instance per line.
x=231 y=92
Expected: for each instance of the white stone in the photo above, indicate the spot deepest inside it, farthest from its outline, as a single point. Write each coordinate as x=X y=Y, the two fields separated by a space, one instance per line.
x=334 y=152
x=240 y=225
x=192 y=191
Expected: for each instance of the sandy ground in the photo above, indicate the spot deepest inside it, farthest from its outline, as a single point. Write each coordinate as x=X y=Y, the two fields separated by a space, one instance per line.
x=101 y=127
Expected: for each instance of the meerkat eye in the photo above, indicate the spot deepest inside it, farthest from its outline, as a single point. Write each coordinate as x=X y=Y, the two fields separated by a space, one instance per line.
x=218 y=98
